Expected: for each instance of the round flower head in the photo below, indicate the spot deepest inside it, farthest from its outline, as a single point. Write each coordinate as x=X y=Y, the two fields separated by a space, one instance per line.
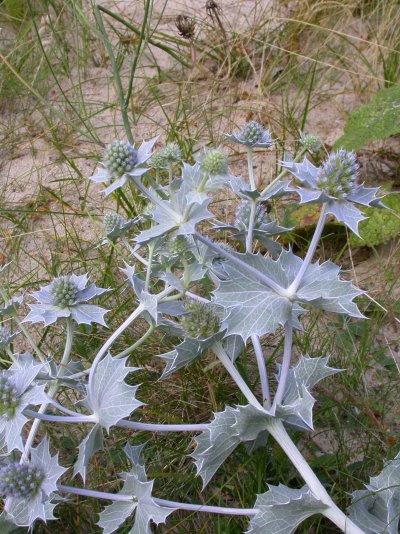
x=172 y=152
x=27 y=487
x=158 y=160
x=178 y=246
x=20 y=480
x=64 y=292
x=214 y=162
x=120 y=157
x=66 y=296
x=202 y=321
x=121 y=160
x=252 y=135
x=337 y=176
x=186 y=26
x=9 y=397
x=310 y=142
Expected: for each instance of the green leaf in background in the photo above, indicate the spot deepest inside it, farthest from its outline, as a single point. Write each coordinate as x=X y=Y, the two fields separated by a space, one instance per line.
x=379 y=119
x=381 y=225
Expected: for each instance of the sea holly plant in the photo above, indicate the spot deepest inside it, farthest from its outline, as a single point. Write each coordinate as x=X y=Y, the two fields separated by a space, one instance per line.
x=257 y=287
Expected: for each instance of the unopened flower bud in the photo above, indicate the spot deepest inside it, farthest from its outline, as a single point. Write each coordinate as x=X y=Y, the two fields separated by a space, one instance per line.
x=202 y=321
x=9 y=398
x=112 y=221
x=214 y=162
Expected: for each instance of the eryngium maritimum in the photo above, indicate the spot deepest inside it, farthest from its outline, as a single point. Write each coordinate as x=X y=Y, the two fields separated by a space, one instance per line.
x=20 y=480
x=252 y=135
x=66 y=296
x=121 y=160
x=214 y=162
x=202 y=321
x=338 y=174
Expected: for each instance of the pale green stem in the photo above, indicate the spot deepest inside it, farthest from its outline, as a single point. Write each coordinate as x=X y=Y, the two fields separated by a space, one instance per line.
x=137 y=344
x=13 y=358
x=250 y=229
x=52 y=390
x=151 y=248
x=278 y=431
x=262 y=369
x=287 y=353
x=219 y=351
x=251 y=168
x=310 y=252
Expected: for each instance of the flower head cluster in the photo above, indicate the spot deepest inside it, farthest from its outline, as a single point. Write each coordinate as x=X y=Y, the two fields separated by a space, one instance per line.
x=337 y=176
x=178 y=246
x=310 y=142
x=112 y=221
x=27 y=487
x=214 y=162
x=120 y=157
x=66 y=296
x=9 y=397
x=163 y=158
x=20 y=480
x=121 y=160
x=202 y=321
x=252 y=135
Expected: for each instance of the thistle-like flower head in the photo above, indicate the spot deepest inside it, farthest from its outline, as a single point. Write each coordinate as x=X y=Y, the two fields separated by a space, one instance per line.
x=20 y=480
x=121 y=160
x=334 y=183
x=338 y=174
x=202 y=321
x=28 y=487
x=252 y=135
x=310 y=142
x=214 y=162
x=178 y=246
x=120 y=157
x=66 y=296
x=158 y=160
x=9 y=397
x=172 y=152
x=64 y=292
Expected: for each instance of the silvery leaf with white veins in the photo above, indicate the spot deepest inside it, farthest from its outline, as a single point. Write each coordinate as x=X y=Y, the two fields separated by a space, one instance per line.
x=281 y=510
x=179 y=215
x=48 y=308
x=252 y=307
x=112 y=397
x=91 y=444
x=192 y=177
x=144 y=507
x=223 y=435
x=187 y=351
x=297 y=403
x=242 y=189
x=21 y=379
x=376 y=509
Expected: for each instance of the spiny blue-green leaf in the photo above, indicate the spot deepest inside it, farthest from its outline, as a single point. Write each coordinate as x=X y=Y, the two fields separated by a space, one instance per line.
x=144 y=507
x=281 y=510
x=187 y=351
x=253 y=308
x=377 y=509
x=379 y=119
x=223 y=435
x=112 y=398
x=88 y=448
x=297 y=403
